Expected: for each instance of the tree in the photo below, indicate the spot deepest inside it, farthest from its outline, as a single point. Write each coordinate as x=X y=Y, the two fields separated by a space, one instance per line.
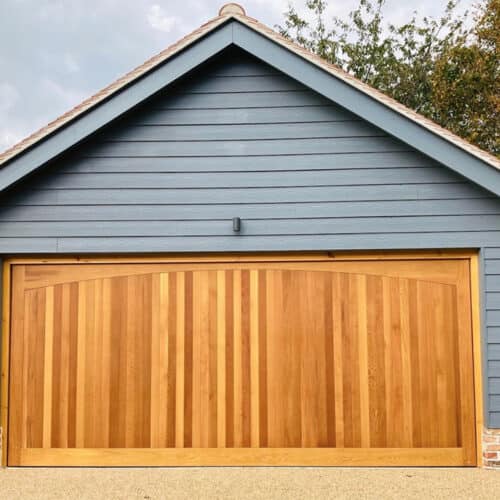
x=466 y=82
x=438 y=67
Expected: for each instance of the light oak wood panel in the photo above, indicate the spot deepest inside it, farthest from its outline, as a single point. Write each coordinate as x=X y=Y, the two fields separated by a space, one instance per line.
x=344 y=357
x=351 y=457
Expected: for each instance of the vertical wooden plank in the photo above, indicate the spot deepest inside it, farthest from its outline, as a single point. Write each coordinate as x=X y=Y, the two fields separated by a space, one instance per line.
x=188 y=365
x=350 y=350
x=262 y=327
x=180 y=361
x=254 y=358
x=237 y=358
x=90 y=369
x=48 y=353
x=221 y=359
x=170 y=329
x=57 y=433
x=274 y=310
x=426 y=366
x=363 y=362
x=229 y=358
x=73 y=363
x=97 y=362
x=377 y=303
x=329 y=354
x=406 y=363
x=446 y=346
x=159 y=359
x=156 y=379
x=106 y=355
x=290 y=346
x=393 y=364
x=200 y=359
x=35 y=370
x=142 y=367
x=129 y=380
x=196 y=368
x=416 y=394
x=212 y=359
x=155 y=362
x=64 y=395
x=245 y=359
x=283 y=350
x=312 y=295
x=81 y=365
x=118 y=404
x=337 y=325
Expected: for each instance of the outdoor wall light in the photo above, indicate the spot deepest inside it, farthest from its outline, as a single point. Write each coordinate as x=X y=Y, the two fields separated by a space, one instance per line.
x=236 y=224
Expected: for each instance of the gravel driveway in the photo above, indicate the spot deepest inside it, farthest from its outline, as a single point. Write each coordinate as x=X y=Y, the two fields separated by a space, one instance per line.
x=254 y=482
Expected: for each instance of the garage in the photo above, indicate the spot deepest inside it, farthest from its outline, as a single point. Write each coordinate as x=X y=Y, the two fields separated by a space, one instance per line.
x=237 y=254
x=258 y=360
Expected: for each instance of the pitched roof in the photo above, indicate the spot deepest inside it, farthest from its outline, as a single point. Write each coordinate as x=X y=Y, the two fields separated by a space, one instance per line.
x=235 y=12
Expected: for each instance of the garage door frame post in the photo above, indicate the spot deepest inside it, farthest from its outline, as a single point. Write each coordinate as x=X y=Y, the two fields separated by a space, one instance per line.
x=5 y=332
x=477 y=349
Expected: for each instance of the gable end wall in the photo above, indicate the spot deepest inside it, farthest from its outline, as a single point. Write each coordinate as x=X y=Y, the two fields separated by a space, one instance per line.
x=239 y=139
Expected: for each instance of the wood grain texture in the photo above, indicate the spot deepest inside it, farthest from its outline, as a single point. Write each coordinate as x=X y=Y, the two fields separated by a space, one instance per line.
x=336 y=357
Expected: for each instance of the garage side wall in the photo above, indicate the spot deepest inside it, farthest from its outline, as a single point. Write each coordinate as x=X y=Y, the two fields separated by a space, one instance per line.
x=239 y=139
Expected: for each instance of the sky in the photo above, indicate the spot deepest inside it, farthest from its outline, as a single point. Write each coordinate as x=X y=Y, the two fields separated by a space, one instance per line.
x=56 y=53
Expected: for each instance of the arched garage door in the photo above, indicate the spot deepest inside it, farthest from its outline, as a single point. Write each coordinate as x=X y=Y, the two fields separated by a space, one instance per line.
x=249 y=361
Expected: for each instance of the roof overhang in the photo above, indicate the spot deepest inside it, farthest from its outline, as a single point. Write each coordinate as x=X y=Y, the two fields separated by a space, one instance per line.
x=258 y=40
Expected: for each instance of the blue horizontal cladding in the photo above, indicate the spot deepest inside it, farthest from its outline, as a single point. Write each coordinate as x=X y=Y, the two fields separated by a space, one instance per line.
x=494 y=368
x=439 y=225
x=243 y=132
x=287 y=163
x=494 y=385
x=289 y=113
x=494 y=334
x=239 y=139
x=493 y=300
x=406 y=210
x=495 y=420
x=181 y=180
x=236 y=243
x=248 y=101
x=258 y=147
x=493 y=317
x=494 y=352
x=297 y=194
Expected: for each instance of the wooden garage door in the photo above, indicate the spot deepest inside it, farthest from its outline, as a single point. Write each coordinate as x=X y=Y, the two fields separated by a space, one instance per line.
x=363 y=362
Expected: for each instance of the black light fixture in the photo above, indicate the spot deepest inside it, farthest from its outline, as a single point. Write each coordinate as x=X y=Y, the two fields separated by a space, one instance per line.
x=236 y=224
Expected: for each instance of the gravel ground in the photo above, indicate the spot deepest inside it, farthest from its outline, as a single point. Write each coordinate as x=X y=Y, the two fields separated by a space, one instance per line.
x=252 y=482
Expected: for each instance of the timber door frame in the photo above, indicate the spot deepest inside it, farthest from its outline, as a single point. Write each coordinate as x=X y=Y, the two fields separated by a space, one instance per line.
x=474 y=274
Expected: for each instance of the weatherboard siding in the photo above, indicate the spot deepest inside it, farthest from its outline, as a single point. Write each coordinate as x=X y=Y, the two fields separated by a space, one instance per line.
x=241 y=139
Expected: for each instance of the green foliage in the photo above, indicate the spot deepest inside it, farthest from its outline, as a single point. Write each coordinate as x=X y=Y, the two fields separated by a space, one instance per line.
x=438 y=67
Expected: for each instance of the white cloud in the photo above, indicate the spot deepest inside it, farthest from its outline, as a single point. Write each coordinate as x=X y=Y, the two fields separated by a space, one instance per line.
x=71 y=64
x=8 y=97
x=67 y=97
x=8 y=138
x=159 y=20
